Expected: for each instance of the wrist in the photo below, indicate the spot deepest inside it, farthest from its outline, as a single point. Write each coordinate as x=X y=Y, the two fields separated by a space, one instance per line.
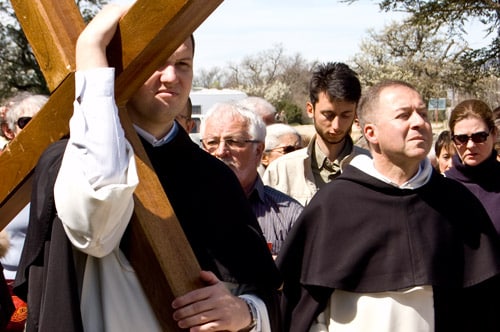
x=253 y=316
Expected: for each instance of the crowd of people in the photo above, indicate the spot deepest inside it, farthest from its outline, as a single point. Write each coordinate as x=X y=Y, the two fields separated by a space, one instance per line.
x=328 y=236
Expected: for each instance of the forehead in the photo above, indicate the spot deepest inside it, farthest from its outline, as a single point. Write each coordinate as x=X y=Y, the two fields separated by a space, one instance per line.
x=185 y=50
x=399 y=96
x=289 y=139
x=225 y=123
x=470 y=124
x=396 y=98
x=325 y=104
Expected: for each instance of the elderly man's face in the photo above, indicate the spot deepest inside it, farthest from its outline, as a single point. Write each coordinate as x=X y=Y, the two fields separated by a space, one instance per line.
x=227 y=138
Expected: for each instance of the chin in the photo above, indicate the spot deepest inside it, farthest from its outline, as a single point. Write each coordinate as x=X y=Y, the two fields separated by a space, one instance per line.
x=472 y=161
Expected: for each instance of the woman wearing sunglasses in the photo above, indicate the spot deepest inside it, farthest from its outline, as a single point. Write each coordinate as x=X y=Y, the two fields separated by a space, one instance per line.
x=475 y=165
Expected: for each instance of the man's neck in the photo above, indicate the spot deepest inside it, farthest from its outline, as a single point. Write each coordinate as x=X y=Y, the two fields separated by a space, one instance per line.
x=159 y=131
x=154 y=140
x=331 y=150
x=399 y=173
x=249 y=186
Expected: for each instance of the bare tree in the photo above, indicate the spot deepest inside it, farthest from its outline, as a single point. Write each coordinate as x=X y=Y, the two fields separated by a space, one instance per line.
x=454 y=15
x=416 y=54
x=272 y=74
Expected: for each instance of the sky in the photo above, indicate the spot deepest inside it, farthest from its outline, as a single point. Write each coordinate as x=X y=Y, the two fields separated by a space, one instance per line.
x=323 y=30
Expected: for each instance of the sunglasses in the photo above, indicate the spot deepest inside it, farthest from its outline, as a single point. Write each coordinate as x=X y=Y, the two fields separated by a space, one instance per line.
x=23 y=121
x=479 y=137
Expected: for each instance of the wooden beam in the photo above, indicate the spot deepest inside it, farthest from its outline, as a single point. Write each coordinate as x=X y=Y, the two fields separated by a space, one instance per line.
x=159 y=247
x=52 y=30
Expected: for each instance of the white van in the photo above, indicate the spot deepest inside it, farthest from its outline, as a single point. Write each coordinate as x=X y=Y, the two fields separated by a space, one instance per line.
x=202 y=99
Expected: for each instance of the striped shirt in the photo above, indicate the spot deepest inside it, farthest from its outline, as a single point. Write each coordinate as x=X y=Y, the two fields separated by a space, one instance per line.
x=275 y=211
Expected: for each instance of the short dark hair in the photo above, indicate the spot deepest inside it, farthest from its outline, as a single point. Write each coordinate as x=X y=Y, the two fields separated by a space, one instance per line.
x=337 y=80
x=189 y=107
x=192 y=41
x=371 y=96
x=443 y=141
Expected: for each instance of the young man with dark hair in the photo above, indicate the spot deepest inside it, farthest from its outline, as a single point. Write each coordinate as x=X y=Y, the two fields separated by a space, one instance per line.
x=334 y=92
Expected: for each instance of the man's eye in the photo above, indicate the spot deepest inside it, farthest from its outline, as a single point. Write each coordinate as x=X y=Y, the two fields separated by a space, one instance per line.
x=212 y=142
x=184 y=65
x=232 y=142
x=329 y=116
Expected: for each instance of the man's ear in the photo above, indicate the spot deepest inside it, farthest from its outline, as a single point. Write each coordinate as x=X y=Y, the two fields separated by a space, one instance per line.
x=7 y=132
x=190 y=125
x=265 y=159
x=370 y=133
x=310 y=110
x=260 y=149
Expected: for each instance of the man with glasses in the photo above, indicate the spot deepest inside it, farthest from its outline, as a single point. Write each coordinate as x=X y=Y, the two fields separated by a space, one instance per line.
x=334 y=92
x=236 y=136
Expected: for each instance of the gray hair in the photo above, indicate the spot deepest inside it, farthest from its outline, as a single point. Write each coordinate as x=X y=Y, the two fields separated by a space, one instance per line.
x=259 y=105
x=21 y=103
x=275 y=131
x=255 y=125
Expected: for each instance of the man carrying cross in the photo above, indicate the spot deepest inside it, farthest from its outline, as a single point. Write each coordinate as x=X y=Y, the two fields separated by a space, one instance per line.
x=94 y=200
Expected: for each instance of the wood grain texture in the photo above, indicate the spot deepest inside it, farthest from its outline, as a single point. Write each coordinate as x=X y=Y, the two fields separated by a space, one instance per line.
x=52 y=28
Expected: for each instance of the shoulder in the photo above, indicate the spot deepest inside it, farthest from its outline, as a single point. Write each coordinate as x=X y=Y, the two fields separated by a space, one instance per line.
x=357 y=150
x=281 y=198
x=290 y=159
x=52 y=156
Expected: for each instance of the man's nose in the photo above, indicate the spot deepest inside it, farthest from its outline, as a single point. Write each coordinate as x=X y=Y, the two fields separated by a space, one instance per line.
x=417 y=119
x=168 y=74
x=221 y=149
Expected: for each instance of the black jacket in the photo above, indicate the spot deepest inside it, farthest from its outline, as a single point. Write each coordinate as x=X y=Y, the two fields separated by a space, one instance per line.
x=209 y=204
x=362 y=235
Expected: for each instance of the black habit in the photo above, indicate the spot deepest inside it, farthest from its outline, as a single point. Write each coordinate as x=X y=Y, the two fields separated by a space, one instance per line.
x=362 y=235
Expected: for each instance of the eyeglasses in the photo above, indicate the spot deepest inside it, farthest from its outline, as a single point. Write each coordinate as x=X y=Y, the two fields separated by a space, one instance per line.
x=479 y=137
x=23 y=121
x=211 y=144
x=284 y=149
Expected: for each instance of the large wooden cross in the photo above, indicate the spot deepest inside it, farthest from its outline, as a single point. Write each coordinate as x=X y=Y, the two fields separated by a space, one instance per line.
x=148 y=34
